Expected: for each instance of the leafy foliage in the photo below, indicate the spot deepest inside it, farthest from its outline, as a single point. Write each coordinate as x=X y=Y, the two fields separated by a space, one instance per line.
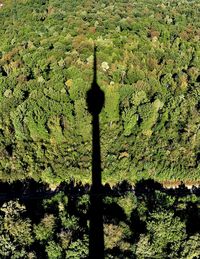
x=148 y=67
x=146 y=221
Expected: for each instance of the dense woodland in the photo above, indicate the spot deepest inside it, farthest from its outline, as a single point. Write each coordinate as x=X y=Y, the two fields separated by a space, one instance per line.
x=147 y=222
x=149 y=69
x=148 y=66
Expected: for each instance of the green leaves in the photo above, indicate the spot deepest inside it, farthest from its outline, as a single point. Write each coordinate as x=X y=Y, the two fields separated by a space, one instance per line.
x=45 y=229
x=130 y=119
x=16 y=232
x=191 y=247
x=78 y=249
x=165 y=237
x=53 y=250
x=111 y=104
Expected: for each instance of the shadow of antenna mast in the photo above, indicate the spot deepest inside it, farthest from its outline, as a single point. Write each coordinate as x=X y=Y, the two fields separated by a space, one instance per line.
x=95 y=101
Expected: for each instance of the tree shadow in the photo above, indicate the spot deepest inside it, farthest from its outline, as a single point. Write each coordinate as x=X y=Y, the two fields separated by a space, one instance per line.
x=145 y=191
x=26 y=189
x=192 y=219
x=181 y=191
x=181 y=204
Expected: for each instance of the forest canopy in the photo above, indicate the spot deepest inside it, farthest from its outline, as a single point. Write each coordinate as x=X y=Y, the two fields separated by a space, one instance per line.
x=148 y=67
x=147 y=222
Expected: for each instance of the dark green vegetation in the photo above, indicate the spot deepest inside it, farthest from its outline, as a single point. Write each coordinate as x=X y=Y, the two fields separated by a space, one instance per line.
x=148 y=66
x=147 y=223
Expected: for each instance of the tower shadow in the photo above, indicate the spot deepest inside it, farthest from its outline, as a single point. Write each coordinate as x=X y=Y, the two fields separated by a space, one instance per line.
x=95 y=102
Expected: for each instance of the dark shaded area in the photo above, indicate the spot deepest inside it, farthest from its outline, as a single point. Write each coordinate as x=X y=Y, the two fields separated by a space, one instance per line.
x=113 y=213
x=198 y=105
x=25 y=95
x=2 y=71
x=9 y=149
x=193 y=222
x=25 y=190
x=137 y=225
x=145 y=191
x=122 y=188
x=181 y=191
x=95 y=101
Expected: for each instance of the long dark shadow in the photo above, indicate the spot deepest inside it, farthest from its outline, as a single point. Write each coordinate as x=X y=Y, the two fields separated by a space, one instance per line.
x=95 y=101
